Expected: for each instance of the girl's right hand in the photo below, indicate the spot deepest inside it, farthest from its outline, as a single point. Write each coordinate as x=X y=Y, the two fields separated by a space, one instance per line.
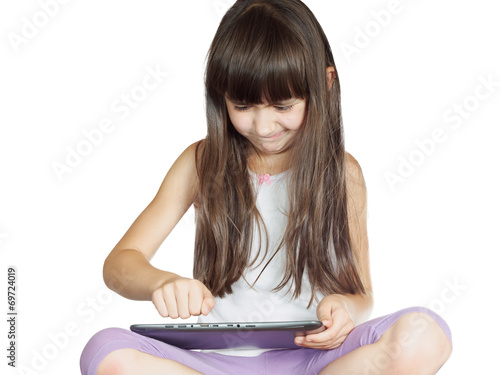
x=183 y=297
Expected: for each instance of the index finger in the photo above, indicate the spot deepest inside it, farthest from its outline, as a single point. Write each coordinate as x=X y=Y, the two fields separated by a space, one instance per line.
x=328 y=334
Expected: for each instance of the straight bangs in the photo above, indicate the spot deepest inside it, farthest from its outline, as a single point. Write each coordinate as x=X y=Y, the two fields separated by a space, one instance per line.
x=261 y=60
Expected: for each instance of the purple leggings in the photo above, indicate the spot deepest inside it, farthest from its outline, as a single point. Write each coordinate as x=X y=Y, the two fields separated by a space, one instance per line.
x=287 y=361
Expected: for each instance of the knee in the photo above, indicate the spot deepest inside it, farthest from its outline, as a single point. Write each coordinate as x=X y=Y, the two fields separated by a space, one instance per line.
x=417 y=338
x=101 y=341
x=119 y=362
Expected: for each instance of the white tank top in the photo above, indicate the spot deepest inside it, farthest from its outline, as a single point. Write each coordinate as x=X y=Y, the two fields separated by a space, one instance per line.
x=261 y=303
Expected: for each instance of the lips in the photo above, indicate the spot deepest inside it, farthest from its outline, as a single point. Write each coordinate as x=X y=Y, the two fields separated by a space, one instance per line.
x=276 y=135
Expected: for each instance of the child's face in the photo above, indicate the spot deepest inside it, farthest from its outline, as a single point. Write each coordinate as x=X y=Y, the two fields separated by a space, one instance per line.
x=269 y=126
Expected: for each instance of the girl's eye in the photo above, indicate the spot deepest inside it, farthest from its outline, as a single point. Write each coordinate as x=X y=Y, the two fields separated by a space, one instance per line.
x=284 y=108
x=277 y=107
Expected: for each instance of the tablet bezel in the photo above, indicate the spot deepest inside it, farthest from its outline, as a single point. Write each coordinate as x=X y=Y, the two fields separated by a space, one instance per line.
x=230 y=335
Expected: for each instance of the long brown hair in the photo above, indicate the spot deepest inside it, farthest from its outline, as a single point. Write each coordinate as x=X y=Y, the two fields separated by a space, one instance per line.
x=274 y=50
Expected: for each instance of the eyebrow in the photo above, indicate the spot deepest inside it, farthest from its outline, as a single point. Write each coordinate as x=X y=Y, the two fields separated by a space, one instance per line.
x=282 y=102
x=237 y=102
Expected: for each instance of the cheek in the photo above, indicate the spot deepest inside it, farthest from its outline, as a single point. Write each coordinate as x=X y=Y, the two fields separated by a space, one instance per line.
x=240 y=122
x=294 y=122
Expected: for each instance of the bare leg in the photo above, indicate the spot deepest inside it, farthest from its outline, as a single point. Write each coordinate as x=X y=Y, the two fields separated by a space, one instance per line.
x=414 y=345
x=133 y=362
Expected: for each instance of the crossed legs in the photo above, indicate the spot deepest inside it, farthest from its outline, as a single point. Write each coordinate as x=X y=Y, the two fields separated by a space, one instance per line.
x=414 y=345
x=412 y=341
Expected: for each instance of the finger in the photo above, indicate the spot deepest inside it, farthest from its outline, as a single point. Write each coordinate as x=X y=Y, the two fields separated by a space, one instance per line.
x=208 y=302
x=314 y=345
x=171 y=302
x=331 y=343
x=328 y=344
x=195 y=301
x=159 y=303
x=328 y=334
x=338 y=342
x=208 y=305
x=324 y=313
x=182 y=300
x=344 y=333
x=323 y=346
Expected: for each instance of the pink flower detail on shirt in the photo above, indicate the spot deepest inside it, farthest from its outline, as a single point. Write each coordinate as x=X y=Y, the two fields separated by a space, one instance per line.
x=264 y=178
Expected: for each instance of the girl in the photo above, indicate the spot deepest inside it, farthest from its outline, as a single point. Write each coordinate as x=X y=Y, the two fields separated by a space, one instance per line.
x=280 y=221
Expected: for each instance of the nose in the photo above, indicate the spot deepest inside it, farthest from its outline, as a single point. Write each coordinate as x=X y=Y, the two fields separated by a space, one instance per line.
x=263 y=123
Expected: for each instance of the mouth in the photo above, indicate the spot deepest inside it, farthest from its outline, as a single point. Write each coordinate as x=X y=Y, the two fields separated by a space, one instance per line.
x=276 y=135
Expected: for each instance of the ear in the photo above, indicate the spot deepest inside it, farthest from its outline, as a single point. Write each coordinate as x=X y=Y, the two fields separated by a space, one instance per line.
x=330 y=76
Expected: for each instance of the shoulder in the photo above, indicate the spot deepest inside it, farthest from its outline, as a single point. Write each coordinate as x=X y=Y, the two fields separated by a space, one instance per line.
x=353 y=171
x=355 y=181
x=192 y=157
x=193 y=147
x=189 y=157
x=182 y=178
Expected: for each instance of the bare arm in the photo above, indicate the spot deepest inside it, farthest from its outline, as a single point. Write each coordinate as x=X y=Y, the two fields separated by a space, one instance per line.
x=358 y=305
x=127 y=269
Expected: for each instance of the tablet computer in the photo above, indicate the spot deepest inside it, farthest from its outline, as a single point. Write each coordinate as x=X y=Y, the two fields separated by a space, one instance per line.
x=230 y=335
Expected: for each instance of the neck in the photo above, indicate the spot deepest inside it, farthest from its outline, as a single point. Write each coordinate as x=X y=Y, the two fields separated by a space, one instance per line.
x=270 y=165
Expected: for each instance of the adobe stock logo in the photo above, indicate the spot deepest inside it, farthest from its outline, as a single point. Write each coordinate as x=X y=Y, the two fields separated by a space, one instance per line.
x=364 y=35
x=60 y=338
x=32 y=26
x=418 y=324
x=454 y=117
x=449 y=294
x=263 y=310
x=122 y=107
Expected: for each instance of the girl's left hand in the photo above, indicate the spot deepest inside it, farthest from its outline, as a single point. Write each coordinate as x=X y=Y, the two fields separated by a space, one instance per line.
x=332 y=311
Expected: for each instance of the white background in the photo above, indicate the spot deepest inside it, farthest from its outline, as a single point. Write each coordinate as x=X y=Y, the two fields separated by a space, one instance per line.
x=433 y=239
